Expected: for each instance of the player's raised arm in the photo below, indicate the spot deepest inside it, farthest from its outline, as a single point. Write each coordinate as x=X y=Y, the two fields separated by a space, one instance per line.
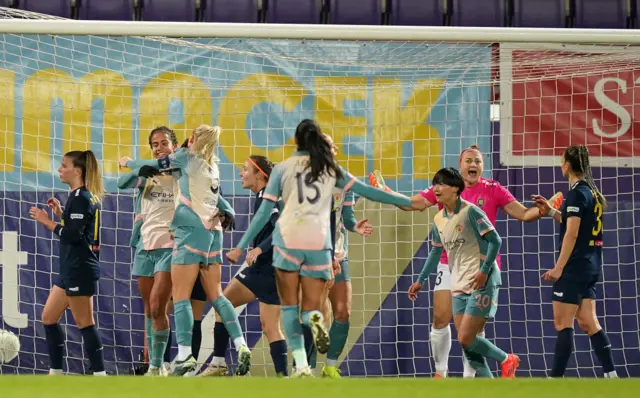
x=350 y=183
x=419 y=202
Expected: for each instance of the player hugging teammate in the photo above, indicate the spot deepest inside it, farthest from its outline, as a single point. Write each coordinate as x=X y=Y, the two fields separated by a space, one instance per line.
x=197 y=241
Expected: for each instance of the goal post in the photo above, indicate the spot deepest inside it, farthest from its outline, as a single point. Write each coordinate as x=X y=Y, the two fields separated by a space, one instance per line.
x=402 y=100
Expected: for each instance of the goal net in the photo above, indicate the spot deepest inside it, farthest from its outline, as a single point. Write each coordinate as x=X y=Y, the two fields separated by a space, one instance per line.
x=405 y=105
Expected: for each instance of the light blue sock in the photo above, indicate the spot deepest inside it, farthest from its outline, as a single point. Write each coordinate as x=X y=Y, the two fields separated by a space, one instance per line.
x=293 y=332
x=338 y=336
x=183 y=315
x=148 y=328
x=487 y=349
x=225 y=309
x=160 y=340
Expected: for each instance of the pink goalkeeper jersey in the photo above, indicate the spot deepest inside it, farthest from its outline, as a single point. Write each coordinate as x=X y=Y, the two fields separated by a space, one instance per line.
x=487 y=194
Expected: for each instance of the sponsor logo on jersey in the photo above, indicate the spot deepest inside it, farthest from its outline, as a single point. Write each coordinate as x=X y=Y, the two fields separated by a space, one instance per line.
x=573 y=209
x=76 y=216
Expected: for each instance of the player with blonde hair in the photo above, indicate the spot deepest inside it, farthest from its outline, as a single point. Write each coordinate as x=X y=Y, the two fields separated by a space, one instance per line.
x=79 y=233
x=198 y=241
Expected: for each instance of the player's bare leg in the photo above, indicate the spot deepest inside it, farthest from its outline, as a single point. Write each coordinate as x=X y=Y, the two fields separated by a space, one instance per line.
x=212 y=283
x=441 y=333
x=183 y=277
x=145 y=285
x=160 y=295
x=288 y=288
x=341 y=302
x=477 y=348
x=588 y=322
x=55 y=306
x=238 y=295
x=82 y=311
x=313 y=298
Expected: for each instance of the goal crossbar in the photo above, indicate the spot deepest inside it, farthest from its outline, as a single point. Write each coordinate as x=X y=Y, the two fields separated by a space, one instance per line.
x=321 y=32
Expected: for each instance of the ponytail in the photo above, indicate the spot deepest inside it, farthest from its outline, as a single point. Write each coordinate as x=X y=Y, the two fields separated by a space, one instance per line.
x=91 y=176
x=205 y=143
x=321 y=160
x=578 y=157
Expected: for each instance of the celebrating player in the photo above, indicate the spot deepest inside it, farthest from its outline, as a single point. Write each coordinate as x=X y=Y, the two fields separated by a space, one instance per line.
x=301 y=239
x=197 y=242
x=257 y=281
x=152 y=262
x=472 y=245
x=579 y=264
x=490 y=196
x=340 y=293
x=79 y=233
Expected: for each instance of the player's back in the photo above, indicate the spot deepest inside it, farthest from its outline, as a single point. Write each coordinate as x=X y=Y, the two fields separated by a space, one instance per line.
x=199 y=185
x=586 y=258
x=304 y=222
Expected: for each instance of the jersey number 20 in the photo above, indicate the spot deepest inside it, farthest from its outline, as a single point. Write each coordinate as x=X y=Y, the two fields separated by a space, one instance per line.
x=301 y=180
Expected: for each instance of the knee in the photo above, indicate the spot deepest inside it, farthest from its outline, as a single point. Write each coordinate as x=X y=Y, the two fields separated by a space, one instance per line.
x=157 y=310
x=589 y=325
x=560 y=323
x=342 y=313
x=271 y=329
x=48 y=318
x=465 y=338
x=441 y=318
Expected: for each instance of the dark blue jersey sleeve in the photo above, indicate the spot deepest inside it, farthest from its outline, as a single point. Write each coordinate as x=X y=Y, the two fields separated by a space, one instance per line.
x=576 y=203
x=74 y=222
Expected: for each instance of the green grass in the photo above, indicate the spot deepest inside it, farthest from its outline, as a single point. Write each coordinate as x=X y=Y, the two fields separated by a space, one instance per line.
x=129 y=387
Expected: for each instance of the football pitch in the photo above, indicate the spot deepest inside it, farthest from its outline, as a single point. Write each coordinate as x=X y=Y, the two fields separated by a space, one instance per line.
x=129 y=387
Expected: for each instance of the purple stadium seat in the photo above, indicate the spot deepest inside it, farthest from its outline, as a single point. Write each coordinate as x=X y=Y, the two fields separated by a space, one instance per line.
x=294 y=11
x=609 y=14
x=539 y=13
x=169 y=10
x=355 y=12
x=112 y=10
x=478 y=13
x=417 y=12
x=231 y=11
x=59 y=8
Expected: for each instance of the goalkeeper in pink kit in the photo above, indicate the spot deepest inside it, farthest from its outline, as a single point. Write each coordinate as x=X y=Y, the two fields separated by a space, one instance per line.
x=488 y=195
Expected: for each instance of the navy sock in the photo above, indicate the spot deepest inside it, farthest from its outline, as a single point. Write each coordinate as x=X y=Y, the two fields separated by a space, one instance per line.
x=167 y=351
x=279 y=355
x=309 y=347
x=602 y=347
x=93 y=348
x=220 y=340
x=55 y=343
x=562 y=352
x=196 y=338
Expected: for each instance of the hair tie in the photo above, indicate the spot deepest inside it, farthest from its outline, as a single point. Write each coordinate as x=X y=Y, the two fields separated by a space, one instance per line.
x=258 y=168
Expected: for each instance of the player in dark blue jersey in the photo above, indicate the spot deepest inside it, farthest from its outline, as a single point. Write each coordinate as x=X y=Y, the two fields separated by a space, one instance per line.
x=79 y=233
x=579 y=264
x=257 y=281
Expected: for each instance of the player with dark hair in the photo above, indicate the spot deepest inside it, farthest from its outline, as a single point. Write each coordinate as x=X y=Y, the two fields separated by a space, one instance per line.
x=257 y=281
x=153 y=243
x=490 y=196
x=79 y=233
x=579 y=264
x=302 y=242
x=198 y=241
x=472 y=245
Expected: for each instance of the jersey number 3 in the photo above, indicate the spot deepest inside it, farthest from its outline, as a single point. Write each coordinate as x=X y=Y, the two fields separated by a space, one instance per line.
x=598 y=212
x=301 y=180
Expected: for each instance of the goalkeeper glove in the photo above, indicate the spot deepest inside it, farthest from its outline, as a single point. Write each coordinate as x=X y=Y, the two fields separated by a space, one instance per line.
x=148 y=172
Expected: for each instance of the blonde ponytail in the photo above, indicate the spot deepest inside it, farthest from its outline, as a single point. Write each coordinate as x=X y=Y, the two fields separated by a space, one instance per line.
x=92 y=176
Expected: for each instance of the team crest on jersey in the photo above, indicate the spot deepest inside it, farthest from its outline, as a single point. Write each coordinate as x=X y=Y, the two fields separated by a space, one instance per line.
x=459 y=228
x=336 y=197
x=480 y=202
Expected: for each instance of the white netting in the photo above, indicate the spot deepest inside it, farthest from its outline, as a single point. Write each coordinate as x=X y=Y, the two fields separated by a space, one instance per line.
x=405 y=108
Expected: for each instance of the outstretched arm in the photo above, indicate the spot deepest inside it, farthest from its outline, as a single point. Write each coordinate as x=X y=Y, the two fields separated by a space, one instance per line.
x=517 y=210
x=348 y=182
x=260 y=219
x=131 y=180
